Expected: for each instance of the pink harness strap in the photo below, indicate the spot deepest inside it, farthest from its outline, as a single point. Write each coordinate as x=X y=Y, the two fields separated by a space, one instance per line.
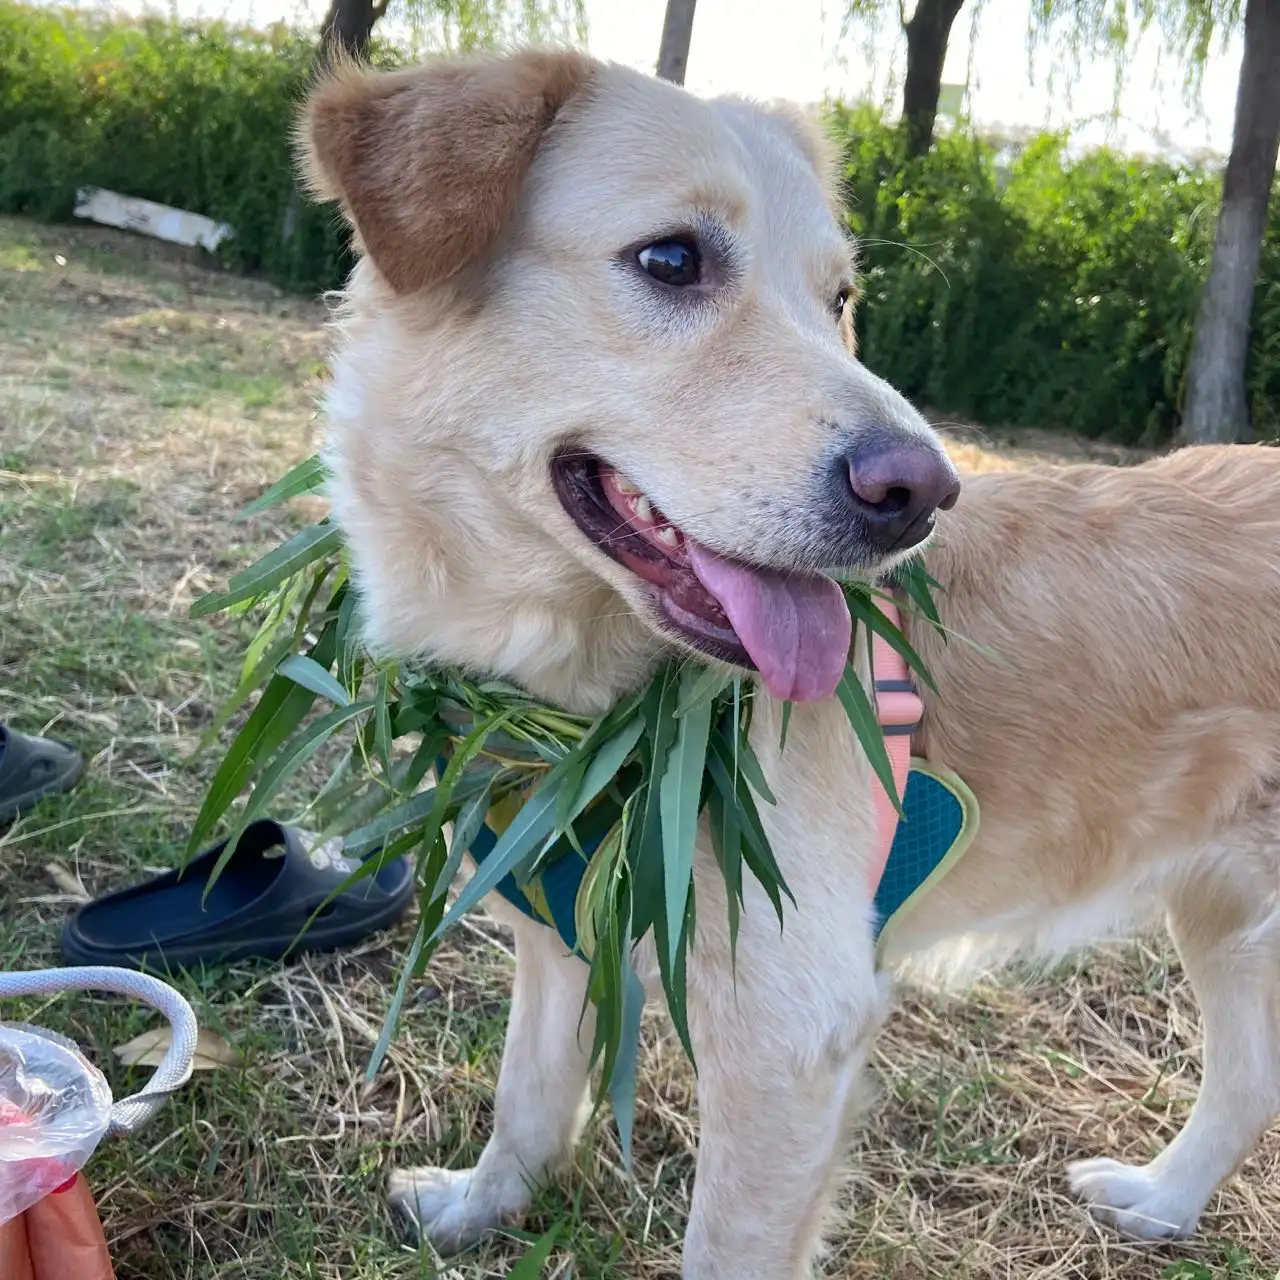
x=899 y=710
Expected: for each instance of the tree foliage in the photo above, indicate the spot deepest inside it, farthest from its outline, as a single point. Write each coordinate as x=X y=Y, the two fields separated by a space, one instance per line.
x=464 y=26
x=1073 y=32
x=1077 y=31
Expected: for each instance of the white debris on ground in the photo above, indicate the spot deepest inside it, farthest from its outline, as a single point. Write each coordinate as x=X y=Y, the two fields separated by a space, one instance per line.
x=178 y=226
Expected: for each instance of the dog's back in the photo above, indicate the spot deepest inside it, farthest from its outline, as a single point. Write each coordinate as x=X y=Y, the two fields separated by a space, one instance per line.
x=1112 y=692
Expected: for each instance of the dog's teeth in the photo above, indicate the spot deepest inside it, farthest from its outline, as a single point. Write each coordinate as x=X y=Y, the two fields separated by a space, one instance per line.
x=624 y=486
x=667 y=535
x=643 y=509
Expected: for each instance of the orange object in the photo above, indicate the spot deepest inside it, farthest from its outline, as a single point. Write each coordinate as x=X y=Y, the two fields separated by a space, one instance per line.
x=57 y=1238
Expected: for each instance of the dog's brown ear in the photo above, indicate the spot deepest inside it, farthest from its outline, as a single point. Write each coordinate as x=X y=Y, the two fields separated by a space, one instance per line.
x=428 y=162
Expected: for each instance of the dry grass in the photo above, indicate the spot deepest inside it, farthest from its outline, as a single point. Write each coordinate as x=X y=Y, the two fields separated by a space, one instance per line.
x=142 y=401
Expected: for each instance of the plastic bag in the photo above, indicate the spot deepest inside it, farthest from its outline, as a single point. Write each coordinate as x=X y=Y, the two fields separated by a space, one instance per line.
x=55 y=1106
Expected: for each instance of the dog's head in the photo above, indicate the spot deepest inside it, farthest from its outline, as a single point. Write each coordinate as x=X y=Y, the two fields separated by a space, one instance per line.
x=599 y=375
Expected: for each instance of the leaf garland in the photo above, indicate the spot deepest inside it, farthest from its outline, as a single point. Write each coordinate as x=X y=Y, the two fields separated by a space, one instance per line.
x=623 y=791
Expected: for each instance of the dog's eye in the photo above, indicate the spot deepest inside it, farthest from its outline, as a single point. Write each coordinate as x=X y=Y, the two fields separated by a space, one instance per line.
x=673 y=262
x=842 y=301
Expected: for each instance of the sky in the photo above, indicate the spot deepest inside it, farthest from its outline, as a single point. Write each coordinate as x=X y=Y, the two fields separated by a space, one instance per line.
x=792 y=49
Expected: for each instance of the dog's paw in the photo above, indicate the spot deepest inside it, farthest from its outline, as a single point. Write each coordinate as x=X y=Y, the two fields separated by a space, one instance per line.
x=1133 y=1200
x=444 y=1206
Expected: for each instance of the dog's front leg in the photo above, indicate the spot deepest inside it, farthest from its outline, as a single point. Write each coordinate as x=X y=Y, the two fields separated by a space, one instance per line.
x=540 y=1105
x=780 y=1055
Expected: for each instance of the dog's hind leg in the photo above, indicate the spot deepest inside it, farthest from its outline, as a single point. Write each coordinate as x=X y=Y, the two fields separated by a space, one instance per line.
x=540 y=1105
x=1228 y=936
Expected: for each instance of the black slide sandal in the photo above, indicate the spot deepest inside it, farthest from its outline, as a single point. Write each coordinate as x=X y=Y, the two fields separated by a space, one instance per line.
x=33 y=768
x=257 y=908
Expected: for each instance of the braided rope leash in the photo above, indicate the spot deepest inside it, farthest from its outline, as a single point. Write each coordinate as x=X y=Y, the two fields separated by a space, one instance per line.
x=174 y=1070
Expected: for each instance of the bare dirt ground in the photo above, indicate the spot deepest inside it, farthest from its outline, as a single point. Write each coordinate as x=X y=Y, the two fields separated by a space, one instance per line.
x=143 y=400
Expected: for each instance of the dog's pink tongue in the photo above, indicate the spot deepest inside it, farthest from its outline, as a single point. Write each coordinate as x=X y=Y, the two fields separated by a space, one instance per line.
x=796 y=629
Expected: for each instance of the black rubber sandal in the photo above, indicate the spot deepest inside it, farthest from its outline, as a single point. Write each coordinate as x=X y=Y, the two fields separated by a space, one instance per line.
x=257 y=908
x=32 y=769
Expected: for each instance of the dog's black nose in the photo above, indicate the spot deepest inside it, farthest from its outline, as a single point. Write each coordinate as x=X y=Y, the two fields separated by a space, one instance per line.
x=896 y=490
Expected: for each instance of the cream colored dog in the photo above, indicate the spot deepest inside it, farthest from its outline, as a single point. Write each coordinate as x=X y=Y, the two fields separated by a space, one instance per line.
x=595 y=402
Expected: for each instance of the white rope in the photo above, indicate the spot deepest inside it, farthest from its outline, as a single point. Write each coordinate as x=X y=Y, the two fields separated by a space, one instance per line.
x=172 y=1073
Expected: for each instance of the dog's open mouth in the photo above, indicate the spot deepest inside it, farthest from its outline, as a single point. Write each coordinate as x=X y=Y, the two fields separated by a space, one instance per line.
x=793 y=628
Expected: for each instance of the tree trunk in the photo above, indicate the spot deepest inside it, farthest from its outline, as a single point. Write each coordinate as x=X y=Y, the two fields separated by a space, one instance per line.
x=1215 y=407
x=927 y=36
x=677 y=31
x=348 y=26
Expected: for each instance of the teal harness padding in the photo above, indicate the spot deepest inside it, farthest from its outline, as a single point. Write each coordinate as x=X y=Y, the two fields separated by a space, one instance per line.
x=560 y=882
x=939 y=822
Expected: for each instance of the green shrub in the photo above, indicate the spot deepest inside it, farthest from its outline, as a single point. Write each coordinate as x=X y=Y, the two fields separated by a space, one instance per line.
x=1045 y=291
x=1030 y=289
x=192 y=115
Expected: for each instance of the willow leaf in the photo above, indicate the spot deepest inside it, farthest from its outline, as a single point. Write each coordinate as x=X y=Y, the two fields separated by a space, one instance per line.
x=870 y=615
x=622 y=1079
x=750 y=769
x=397 y=1003
x=355 y=805
x=680 y=797
x=529 y=828
x=283 y=766
x=756 y=851
x=644 y=845
x=296 y=753
x=304 y=548
x=709 y=685
x=726 y=841
x=308 y=476
x=915 y=580
x=311 y=675
x=571 y=771
x=604 y=766
x=606 y=982
x=401 y=818
x=262 y=671
x=382 y=720
x=645 y=855
x=450 y=781
x=422 y=760
x=432 y=860
x=265 y=639
x=281 y=709
x=739 y=727
x=866 y=728
x=676 y=987
x=466 y=827
x=347 y=639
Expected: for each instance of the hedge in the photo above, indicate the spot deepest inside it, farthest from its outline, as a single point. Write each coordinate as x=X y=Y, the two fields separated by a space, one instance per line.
x=192 y=115
x=1045 y=290
x=1014 y=289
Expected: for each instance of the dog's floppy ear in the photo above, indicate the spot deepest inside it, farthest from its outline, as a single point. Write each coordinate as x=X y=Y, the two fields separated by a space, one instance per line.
x=428 y=162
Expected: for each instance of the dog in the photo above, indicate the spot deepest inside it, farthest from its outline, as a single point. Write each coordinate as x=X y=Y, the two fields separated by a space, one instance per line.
x=595 y=401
